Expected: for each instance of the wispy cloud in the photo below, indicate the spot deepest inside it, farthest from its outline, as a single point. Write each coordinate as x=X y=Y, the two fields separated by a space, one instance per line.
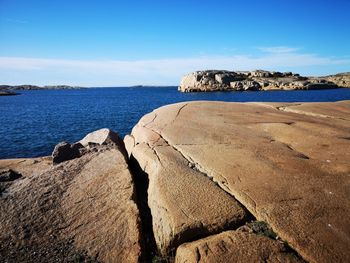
x=16 y=21
x=278 y=49
x=153 y=72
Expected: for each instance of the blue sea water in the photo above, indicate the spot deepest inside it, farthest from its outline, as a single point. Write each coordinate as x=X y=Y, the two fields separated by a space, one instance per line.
x=32 y=123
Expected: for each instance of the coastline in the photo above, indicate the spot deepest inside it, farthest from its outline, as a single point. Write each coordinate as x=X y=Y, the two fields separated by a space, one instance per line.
x=264 y=139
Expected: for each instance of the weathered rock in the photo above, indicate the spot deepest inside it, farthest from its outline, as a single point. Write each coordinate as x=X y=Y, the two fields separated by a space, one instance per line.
x=235 y=246
x=341 y=79
x=27 y=167
x=8 y=175
x=245 y=85
x=184 y=203
x=79 y=210
x=214 y=80
x=261 y=73
x=225 y=78
x=287 y=163
x=321 y=85
x=64 y=151
x=102 y=136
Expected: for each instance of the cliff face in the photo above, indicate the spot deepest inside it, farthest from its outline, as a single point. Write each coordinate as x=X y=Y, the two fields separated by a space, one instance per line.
x=216 y=80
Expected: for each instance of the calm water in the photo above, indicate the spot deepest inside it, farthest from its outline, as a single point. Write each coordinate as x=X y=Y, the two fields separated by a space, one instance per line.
x=31 y=124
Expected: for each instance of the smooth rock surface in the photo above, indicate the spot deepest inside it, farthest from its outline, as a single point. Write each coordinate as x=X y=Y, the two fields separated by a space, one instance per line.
x=288 y=164
x=82 y=210
x=234 y=246
x=184 y=203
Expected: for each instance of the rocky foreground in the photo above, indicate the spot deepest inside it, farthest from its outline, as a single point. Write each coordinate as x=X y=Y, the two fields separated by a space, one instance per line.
x=195 y=182
x=221 y=80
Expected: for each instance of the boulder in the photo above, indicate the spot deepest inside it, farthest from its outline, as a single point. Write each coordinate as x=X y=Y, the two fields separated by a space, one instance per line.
x=287 y=163
x=235 y=246
x=7 y=175
x=101 y=137
x=65 y=151
x=83 y=210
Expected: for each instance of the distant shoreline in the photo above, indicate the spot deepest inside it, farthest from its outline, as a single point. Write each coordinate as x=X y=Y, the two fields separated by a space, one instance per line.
x=34 y=87
x=4 y=88
x=8 y=93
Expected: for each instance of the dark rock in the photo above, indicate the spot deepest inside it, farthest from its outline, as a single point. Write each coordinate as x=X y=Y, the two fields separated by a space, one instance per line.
x=65 y=151
x=320 y=85
x=9 y=175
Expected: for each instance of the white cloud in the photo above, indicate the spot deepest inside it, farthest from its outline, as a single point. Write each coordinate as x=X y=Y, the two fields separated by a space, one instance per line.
x=40 y=71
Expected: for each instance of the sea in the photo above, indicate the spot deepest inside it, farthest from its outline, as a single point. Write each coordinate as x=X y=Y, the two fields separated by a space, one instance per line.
x=32 y=123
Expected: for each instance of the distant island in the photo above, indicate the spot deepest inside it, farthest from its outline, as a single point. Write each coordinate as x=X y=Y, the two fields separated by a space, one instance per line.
x=34 y=87
x=223 y=80
x=8 y=93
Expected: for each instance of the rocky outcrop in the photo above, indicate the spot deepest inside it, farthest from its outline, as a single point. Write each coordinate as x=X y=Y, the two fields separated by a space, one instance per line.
x=211 y=182
x=235 y=246
x=102 y=137
x=7 y=175
x=216 y=80
x=341 y=79
x=64 y=151
x=184 y=203
x=80 y=210
x=283 y=163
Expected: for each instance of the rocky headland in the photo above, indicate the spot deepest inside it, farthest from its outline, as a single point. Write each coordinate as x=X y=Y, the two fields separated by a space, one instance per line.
x=193 y=182
x=221 y=80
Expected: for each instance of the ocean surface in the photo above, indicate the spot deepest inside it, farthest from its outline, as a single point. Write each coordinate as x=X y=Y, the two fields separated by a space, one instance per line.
x=32 y=123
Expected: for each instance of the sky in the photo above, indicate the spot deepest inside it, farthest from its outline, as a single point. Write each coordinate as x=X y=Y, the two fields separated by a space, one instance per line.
x=122 y=43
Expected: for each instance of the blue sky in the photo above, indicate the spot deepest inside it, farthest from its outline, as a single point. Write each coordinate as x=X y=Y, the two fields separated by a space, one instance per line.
x=117 y=43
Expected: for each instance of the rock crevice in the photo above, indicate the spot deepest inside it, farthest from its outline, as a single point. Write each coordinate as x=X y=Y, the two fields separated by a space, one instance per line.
x=271 y=161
